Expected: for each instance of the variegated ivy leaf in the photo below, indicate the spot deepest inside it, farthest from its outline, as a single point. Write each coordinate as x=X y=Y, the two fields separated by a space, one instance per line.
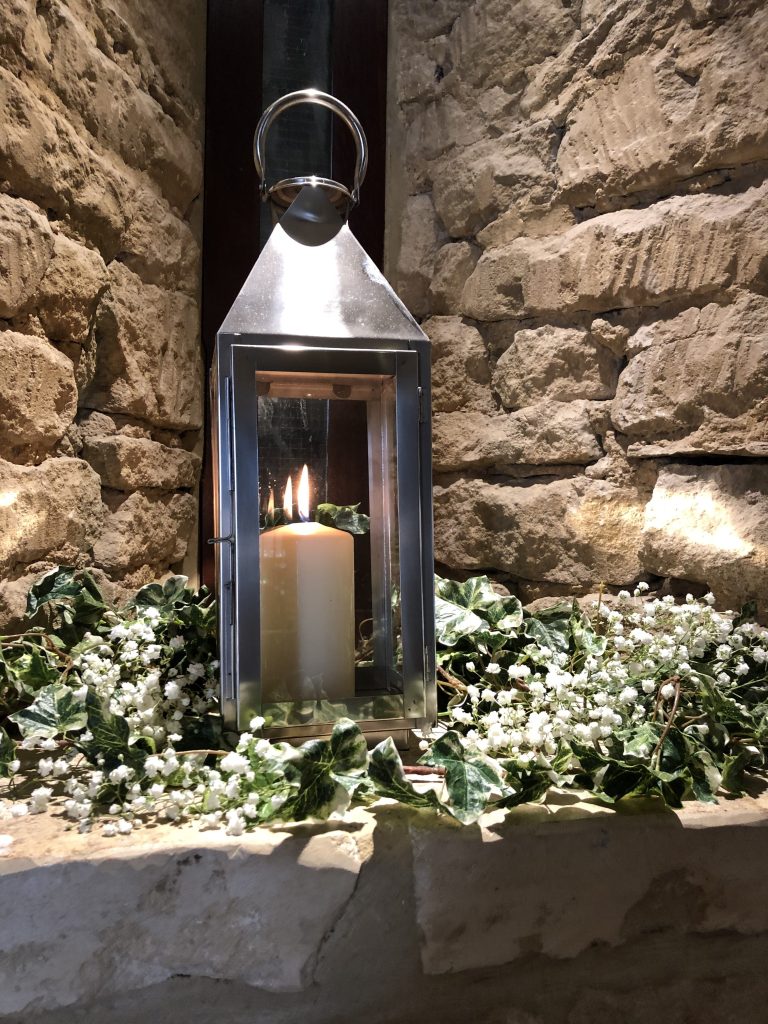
x=55 y=711
x=385 y=769
x=470 y=778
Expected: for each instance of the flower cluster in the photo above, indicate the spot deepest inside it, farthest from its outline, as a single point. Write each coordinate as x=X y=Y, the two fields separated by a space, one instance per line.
x=634 y=662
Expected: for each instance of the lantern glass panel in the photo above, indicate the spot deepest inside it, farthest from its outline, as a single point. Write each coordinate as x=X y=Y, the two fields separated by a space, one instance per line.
x=329 y=599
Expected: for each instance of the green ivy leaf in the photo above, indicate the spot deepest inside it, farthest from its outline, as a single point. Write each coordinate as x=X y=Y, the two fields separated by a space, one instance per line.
x=166 y=596
x=111 y=737
x=55 y=711
x=453 y=622
x=469 y=778
x=7 y=754
x=75 y=601
x=329 y=771
x=553 y=631
x=385 y=770
x=349 y=751
x=343 y=517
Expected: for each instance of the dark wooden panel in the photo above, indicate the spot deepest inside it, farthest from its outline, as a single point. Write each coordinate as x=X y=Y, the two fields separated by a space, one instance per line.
x=231 y=201
x=359 y=47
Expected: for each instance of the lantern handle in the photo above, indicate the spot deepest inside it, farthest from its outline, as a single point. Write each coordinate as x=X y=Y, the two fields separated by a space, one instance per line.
x=284 y=192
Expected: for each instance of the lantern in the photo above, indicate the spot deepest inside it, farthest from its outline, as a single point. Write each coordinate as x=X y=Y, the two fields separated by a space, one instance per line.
x=322 y=452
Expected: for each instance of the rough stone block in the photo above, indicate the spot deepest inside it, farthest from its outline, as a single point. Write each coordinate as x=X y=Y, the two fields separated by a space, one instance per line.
x=698 y=383
x=484 y=180
x=461 y=372
x=453 y=265
x=699 y=103
x=38 y=396
x=548 y=433
x=559 y=363
x=129 y=463
x=693 y=246
x=421 y=239
x=568 y=532
x=70 y=290
x=147 y=353
x=51 y=511
x=26 y=245
x=710 y=524
x=141 y=530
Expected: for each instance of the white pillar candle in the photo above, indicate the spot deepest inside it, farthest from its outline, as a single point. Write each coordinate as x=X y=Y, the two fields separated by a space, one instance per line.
x=307 y=613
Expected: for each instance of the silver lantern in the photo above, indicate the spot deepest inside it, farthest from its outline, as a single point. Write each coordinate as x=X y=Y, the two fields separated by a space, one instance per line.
x=322 y=451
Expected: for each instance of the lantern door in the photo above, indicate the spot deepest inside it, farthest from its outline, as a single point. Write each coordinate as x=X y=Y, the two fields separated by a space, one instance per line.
x=327 y=608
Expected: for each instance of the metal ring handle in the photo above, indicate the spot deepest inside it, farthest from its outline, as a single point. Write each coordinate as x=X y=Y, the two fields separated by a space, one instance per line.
x=322 y=99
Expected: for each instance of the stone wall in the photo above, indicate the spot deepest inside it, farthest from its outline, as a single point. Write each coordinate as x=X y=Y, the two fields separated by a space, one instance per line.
x=577 y=212
x=100 y=375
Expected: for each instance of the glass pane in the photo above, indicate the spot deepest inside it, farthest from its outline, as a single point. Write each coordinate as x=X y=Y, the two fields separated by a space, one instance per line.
x=329 y=595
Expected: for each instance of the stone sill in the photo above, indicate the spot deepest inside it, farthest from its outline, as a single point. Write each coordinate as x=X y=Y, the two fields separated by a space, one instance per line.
x=313 y=916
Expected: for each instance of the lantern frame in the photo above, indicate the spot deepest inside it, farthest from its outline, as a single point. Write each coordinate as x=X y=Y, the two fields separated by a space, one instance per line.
x=361 y=328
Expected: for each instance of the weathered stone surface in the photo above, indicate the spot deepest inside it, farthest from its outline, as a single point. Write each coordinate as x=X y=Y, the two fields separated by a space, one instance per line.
x=140 y=530
x=129 y=463
x=560 y=363
x=694 y=888
x=285 y=914
x=482 y=181
x=461 y=372
x=26 y=244
x=152 y=931
x=710 y=524
x=543 y=434
x=53 y=510
x=693 y=245
x=699 y=103
x=453 y=265
x=73 y=282
x=147 y=354
x=698 y=383
x=566 y=531
x=38 y=396
x=421 y=238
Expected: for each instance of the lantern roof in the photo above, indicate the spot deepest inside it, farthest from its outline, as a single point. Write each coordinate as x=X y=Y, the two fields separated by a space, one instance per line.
x=313 y=279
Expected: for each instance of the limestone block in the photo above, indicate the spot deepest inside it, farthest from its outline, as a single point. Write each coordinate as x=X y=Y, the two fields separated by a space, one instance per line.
x=133 y=915
x=44 y=157
x=147 y=355
x=566 y=531
x=38 y=395
x=423 y=21
x=51 y=511
x=699 y=103
x=129 y=463
x=461 y=372
x=692 y=245
x=422 y=236
x=140 y=530
x=68 y=294
x=453 y=265
x=26 y=245
x=480 y=182
x=494 y=42
x=560 y=363
x=548 y=433
x=698 y=383
x=117 y=110
x=710 y=524
x=694 y=887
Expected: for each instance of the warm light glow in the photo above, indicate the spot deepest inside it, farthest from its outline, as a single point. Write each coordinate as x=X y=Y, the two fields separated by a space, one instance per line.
x=303 y=495
x=7 y=498
x=271 y=506
x=288 y=501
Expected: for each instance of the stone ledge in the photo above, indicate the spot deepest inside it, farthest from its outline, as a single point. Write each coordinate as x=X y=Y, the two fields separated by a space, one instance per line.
x=382 y=906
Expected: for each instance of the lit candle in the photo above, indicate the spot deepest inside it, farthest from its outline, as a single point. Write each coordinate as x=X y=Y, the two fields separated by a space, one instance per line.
x=307 y=607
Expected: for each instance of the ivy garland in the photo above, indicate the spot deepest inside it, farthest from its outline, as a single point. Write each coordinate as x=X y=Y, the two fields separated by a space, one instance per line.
x=112 y=714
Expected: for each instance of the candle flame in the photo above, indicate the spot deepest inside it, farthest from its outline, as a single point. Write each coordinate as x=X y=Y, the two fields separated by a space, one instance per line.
x=271 y=507
x=288 y=501
x=303 y=495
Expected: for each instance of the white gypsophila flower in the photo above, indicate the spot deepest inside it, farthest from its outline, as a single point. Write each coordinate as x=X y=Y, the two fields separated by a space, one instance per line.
x=234 y=762
x=196 y=670
x=493 y=669
x=256 y=723
x=122 y=773
x=518 y=671
x=39 y=799
x=668 y=691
